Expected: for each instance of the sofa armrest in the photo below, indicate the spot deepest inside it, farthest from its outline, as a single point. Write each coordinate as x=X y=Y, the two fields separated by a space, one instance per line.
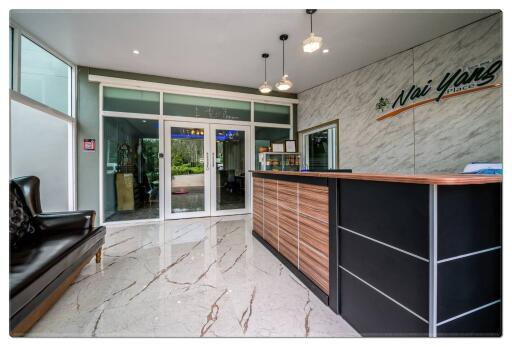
x=57 y=221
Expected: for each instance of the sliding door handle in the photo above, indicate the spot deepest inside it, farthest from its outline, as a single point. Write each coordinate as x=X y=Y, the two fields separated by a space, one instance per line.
x=207 y=161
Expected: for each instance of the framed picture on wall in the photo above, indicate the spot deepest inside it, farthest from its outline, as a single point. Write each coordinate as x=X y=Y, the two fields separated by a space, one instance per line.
x=290 y=146
x=277 y=147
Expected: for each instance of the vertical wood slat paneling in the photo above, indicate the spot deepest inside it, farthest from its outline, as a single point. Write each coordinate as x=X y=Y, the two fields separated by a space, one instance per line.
x=294 y=219
x=314 y=202
x=257 y=205
x=288 y=227
x=270 y=220
x=315 y=266
x=314 y=233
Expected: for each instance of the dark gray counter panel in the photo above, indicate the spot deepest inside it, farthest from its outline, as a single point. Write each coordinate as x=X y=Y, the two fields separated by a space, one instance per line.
x=417 y=253
x=394 y=213
x=398 y=275
x=468 y=219
x=373 y=314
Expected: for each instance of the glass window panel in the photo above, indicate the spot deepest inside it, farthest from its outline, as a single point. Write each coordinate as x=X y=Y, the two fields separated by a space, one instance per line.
x=201 y=107
x=131 y=169
x=11 y=34
x=187 y=169
x=318 y=150
x=131 y=100
x=40 y=147
x=45 y=78
x=230 y=169
x=268 y=113
x=264 y=136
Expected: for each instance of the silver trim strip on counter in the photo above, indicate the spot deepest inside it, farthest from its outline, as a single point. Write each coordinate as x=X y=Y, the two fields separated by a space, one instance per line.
x=468 y=312
x=469 y=254
x=432 y=289
x=384 y=244
x=384 y=294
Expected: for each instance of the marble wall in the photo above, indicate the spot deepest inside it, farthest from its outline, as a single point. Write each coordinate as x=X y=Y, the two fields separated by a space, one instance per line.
x=437 y=137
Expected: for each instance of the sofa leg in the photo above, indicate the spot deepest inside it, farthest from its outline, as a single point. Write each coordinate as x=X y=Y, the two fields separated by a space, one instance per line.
x=98 y=256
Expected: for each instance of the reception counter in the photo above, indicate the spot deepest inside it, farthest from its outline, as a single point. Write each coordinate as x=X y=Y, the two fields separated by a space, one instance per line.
x=403 y=255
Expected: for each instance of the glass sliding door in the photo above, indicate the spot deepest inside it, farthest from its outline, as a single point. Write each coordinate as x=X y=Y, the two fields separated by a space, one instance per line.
x=187 y=170
x=231 y=158
x=206 y=169
x=130 y=169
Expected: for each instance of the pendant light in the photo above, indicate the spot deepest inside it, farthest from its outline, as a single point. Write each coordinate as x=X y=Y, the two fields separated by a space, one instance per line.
x=284 y=84
x=265 y=88
x=312 y=42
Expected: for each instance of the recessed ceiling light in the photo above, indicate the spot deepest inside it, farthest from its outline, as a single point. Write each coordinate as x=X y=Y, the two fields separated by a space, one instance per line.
x=326 y=50
x=136 y=51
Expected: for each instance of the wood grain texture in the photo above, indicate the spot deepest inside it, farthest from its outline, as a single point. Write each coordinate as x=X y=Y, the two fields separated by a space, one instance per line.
x=257 y=215
x=314 y=201
x=294 y=219
x=315 y=266
x=257 y=189
x=270 y=222
x=288 y=234
x=270 y=191
x=439 y=179
x=315 y=234
x=257 y=205
x=287 y=195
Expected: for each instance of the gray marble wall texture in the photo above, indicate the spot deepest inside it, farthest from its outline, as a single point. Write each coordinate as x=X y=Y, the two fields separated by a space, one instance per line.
x=437 y=137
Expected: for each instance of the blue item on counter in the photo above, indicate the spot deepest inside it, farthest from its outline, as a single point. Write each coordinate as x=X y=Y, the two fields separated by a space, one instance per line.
x=487 y=172
x=484 y=168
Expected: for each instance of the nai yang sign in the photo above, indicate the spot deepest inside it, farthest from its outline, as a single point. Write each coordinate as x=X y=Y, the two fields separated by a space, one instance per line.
x=459 y=82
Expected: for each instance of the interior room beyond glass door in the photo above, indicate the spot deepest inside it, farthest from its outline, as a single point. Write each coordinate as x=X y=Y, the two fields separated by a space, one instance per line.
x=187 y=170
x=229 y=172
x=319 y=148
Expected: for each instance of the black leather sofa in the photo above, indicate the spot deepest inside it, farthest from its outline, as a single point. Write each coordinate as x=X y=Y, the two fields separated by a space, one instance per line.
x=47 y=252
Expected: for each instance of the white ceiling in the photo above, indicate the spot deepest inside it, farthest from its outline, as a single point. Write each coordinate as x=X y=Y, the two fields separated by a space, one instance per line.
x=225 y=46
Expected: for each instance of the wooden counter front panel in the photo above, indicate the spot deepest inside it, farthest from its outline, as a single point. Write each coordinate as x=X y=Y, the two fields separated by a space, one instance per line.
x=288 y=227
x=287 y=195
x=257 y=205
x=315 y=266
x=314 y=233
x=270 y=213
x=294 y=219
x=314 y=202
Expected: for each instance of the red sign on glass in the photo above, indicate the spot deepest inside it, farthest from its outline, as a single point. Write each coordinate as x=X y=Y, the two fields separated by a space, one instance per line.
x=89 y=145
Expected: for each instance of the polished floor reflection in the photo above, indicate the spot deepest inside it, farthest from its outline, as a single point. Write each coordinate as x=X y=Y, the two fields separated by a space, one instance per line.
x=190 y=278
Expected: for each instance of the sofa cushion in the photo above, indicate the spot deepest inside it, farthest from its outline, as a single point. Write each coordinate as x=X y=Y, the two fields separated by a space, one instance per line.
x=34 y=266
x=21 y=228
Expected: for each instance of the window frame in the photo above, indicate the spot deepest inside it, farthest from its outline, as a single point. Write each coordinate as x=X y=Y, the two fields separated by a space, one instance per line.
x=106 y=81
x=303 y=145
x=18 y=33
x=15 y=94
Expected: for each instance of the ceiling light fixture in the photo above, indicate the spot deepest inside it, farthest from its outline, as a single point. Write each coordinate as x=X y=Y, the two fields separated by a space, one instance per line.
x=265 y=88
x=284 y=84
x=136 y=51
x=312 y=42
x=326 y=50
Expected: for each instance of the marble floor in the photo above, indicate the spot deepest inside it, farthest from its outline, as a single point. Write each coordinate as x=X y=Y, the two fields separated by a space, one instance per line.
x=188 y=278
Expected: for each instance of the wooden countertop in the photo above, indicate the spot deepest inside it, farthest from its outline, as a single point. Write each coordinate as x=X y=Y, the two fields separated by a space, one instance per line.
x=439 y=179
